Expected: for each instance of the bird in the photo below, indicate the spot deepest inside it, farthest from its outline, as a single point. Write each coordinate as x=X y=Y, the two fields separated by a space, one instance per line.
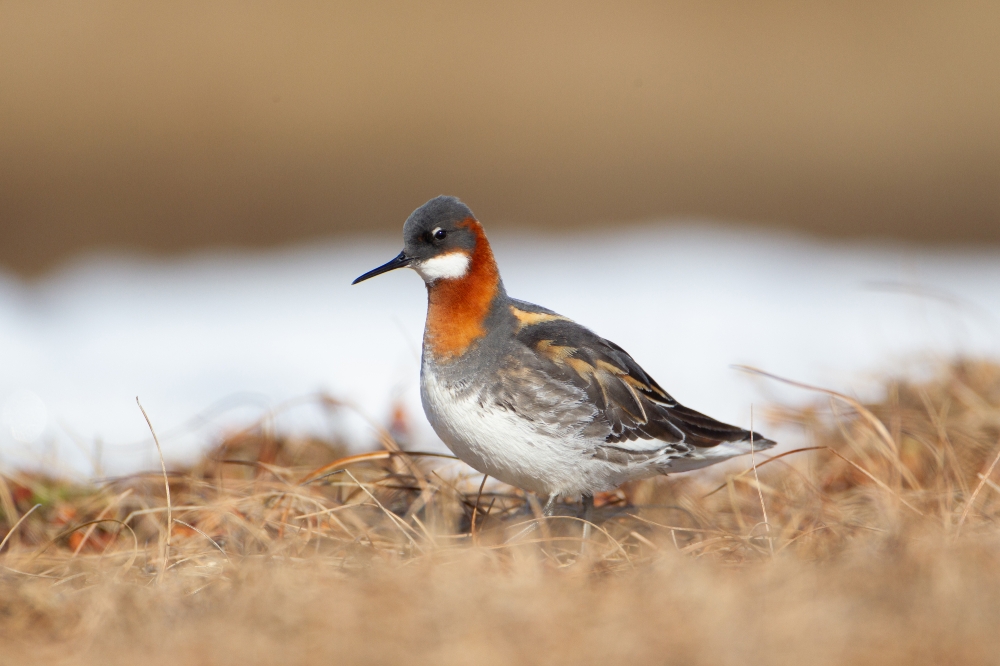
x=530 y=397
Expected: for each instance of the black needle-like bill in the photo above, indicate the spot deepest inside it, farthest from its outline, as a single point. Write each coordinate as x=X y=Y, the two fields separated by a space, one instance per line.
x=399 y=261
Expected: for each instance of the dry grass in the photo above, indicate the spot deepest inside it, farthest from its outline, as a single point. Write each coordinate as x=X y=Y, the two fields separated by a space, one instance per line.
x=881 y=547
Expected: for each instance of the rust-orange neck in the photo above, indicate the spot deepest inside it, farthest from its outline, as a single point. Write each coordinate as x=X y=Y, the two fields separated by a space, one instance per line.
x=457 y=308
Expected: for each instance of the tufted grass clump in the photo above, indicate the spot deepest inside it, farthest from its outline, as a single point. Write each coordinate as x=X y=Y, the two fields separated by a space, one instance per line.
x=874 y=542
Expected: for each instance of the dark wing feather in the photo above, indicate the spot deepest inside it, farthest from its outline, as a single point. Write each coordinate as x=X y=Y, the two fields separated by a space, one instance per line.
x=633 y=406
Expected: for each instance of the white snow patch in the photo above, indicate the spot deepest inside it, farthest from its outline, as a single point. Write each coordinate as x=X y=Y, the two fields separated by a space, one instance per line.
x=214 y=341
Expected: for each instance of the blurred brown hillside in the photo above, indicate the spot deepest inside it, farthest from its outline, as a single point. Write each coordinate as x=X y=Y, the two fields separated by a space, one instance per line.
x=172 y=125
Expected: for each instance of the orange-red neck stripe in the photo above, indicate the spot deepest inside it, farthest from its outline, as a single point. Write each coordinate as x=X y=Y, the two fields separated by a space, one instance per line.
x=457 y=308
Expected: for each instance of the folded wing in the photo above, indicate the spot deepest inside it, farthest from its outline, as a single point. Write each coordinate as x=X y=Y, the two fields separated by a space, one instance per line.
x=637 y=418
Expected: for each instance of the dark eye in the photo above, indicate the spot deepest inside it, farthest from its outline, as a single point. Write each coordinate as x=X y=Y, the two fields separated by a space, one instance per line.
x=440 y=234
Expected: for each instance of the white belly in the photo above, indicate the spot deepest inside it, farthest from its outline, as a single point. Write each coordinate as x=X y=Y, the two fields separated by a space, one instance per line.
x=512 y=449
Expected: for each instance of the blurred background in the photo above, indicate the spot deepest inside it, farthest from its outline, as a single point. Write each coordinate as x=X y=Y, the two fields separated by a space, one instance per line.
x=187 y=189
x=169 y=126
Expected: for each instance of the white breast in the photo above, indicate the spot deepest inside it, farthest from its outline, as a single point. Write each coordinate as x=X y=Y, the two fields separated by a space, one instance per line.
x=510 y=448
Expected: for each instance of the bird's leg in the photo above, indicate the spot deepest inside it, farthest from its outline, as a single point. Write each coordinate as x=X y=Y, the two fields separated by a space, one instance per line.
x=588 y=517
x=546 y=512
x=550 y=505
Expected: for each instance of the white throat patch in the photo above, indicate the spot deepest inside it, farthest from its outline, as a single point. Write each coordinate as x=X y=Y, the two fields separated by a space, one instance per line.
x=446 y=266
